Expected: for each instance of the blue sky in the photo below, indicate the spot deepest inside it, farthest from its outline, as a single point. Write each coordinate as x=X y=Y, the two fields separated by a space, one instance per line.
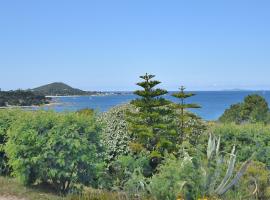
x=106 y=45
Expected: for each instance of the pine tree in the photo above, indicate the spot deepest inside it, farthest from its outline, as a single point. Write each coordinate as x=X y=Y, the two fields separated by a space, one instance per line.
x=150 y=125
x=182 y=106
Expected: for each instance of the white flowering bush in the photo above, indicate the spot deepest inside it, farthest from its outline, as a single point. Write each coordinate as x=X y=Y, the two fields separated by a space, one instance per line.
x=115 y=133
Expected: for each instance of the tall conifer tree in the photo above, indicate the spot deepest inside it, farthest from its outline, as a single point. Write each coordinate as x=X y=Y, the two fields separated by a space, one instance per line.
x=182 y=106
x=151 y=125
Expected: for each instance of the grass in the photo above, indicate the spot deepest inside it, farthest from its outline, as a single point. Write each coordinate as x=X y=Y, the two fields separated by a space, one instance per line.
x=10 y=187
x=101 y=195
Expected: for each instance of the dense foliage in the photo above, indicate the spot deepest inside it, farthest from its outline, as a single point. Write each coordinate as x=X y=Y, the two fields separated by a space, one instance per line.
x=255 y=183
x=248 y=139
x=53 y=148
x=176 y=178
x=7 y=117
x=253 y=109
x=22 y=98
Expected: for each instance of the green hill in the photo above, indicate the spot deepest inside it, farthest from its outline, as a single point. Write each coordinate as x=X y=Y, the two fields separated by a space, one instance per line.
x=60 y=89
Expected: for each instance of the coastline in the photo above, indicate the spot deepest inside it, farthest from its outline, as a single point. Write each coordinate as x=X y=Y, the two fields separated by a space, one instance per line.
x=33 y=106
x=63 y=96
x=90 y=95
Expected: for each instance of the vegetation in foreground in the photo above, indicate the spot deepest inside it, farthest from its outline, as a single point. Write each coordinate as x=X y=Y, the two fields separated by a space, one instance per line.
x=149 y=149
x=11 y=187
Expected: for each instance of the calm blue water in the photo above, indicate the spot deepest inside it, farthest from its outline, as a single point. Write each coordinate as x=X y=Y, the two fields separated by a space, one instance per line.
x=213 y=103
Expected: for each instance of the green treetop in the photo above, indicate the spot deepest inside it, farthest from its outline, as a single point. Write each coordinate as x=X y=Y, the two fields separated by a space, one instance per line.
x=254 y=109
x=150 y=125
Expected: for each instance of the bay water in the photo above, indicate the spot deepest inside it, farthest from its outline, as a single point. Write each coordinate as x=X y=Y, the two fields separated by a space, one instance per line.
x=213 y=103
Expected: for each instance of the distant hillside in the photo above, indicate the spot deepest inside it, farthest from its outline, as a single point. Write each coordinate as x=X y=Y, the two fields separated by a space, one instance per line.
x=22 y=98
x=60 y=89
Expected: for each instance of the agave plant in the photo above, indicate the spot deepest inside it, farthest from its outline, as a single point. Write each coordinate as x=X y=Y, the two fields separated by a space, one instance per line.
x=216 y=184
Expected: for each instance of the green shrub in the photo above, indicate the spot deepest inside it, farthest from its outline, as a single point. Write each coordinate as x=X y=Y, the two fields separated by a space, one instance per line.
x=194 y=128
x=137 y=185
x=59 y=149
x=211 y=175
x=256 y=181
x=248 y=138
x=86 y=112
x=7 y=118
x=176 y=178
x=121 y=170
x=254 y=109
x=255 y=184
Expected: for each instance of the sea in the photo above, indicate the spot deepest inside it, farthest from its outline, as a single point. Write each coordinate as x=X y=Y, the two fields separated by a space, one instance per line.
x=213 y=103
